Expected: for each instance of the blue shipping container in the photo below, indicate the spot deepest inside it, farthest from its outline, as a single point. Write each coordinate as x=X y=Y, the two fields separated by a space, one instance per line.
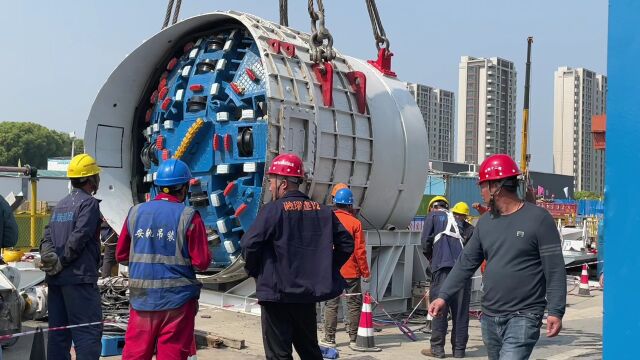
x=463 y=188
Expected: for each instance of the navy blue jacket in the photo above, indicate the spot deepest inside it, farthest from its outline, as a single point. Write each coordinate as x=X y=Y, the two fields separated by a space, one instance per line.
x=295 y=249
x=74 y=232
x=8 y=225
x=445 y=252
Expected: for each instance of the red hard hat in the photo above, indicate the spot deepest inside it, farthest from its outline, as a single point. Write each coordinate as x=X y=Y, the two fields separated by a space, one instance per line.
x=286 y=165
x=498 y=167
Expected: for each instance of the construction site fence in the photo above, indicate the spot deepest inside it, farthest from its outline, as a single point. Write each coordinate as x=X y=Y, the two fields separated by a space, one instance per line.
x=24 y=228
x=586 y=208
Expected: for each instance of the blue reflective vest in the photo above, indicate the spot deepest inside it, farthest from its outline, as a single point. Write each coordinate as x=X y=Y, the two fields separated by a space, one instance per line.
x=161 y=276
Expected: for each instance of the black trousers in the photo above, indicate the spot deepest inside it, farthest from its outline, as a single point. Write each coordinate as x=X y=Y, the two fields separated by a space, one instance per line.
x=73 y=305
x=459 y=306
x=109 y=265
x=287 y=324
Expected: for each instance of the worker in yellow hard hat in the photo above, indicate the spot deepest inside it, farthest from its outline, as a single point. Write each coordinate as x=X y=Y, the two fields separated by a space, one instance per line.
x=461 y=214
x=70 y=256
x=442 y=244
x=82 y=170
x=438 y=203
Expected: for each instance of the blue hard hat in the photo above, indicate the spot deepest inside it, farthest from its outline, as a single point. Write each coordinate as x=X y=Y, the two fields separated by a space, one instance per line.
x=344 y=197
x=173 y=172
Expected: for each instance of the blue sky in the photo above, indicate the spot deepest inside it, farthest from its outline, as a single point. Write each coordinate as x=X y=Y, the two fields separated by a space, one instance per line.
x=56 y=55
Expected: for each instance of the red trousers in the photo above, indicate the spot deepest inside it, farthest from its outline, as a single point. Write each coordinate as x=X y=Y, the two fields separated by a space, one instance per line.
x=169 y=333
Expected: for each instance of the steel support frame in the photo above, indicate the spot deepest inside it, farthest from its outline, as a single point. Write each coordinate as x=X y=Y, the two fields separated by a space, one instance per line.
x=396 y=262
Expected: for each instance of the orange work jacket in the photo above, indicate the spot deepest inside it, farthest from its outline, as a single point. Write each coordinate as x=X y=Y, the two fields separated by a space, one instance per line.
x=356 y=266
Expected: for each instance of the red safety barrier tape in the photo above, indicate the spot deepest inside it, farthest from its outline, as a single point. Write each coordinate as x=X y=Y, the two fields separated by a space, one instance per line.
x=57 y=328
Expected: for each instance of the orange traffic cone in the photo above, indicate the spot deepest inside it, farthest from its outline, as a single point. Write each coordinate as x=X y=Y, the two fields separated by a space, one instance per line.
x=584 y=282
x=364 y=341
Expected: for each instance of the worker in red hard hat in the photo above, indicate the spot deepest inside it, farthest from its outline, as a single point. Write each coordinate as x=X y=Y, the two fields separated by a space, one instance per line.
x=525 y=271
x=294 y=249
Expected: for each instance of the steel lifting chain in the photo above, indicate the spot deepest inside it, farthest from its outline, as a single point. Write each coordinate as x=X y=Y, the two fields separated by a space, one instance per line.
x=321 y=44
x=376 y=24
x=284 y=13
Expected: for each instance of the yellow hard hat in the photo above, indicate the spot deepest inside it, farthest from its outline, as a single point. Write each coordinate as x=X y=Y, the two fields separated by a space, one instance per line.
x=437 y=198
x=461 y=208
x=337 y=187
x=82 y=165
x=12 y=255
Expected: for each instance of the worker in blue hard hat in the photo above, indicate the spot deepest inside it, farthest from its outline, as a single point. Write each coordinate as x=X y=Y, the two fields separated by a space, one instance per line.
x=164 y=242
x=443 y=241
x=352 y=271
x=70 y=256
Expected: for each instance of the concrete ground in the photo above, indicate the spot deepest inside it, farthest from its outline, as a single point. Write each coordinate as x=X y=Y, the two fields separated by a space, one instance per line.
x=580 y=338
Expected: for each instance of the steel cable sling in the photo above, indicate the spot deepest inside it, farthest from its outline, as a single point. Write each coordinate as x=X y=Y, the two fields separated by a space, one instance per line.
x=176 y=12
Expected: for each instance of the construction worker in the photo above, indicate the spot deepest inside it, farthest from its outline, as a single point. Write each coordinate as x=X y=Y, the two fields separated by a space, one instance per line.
x=294 y=249
x=352 y=271
x=334 y=190
x=8 y=235
x=461 y=213
x=8 y=225
x=163 y=242
x=442 y=242
x=70 y=256
x=525 y=269
x=438 y=203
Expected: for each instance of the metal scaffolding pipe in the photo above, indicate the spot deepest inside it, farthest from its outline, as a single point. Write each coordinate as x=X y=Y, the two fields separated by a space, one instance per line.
x=34 y=203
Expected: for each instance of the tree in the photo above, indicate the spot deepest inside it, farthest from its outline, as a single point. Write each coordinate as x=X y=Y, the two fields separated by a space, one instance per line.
x=33 y=144
x=586 y=195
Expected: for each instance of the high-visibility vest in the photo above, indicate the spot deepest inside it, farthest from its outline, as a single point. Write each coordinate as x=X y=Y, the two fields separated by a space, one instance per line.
x=161 y=275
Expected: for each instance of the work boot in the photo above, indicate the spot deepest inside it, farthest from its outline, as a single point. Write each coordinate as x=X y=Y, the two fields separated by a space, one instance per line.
x=459 y=354
x=328 y=342
x=432 y=353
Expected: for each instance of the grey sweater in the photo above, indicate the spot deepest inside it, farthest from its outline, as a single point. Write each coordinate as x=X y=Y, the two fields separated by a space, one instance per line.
x=525 y=268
